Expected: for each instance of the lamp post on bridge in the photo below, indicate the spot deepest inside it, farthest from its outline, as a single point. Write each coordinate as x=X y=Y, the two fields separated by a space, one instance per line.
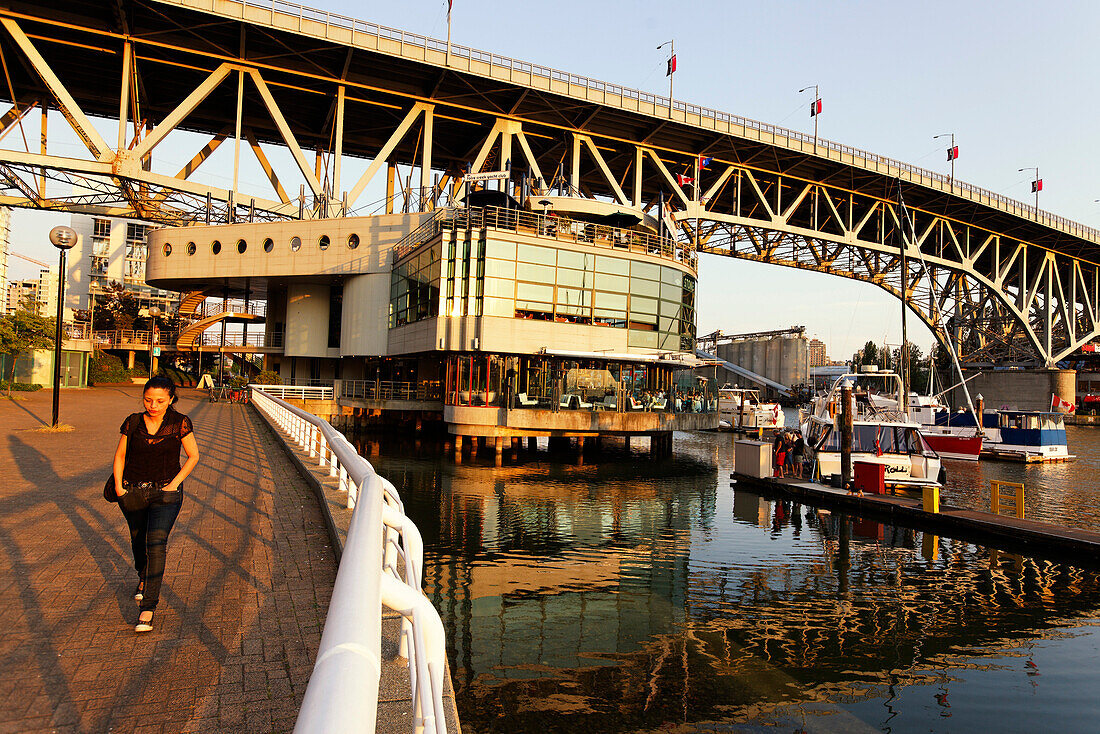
x=952 y=154
x=1036 y=185
x=671 y=70
x=63 y=238
x=815 y=109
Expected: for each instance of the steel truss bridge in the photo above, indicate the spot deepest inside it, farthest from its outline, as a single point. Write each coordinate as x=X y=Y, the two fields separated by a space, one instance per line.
x=1004 y=282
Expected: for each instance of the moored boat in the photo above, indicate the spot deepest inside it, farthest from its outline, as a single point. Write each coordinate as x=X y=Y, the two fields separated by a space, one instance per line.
x=951 y=434
x=880 y=434
x=740 y=409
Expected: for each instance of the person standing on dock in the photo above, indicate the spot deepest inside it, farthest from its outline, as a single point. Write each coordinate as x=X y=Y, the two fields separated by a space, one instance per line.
x=779 y=453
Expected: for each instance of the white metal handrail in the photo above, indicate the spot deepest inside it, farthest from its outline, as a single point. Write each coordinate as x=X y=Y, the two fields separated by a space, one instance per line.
x=297 y=392
x=342 y=695
x=763 y=131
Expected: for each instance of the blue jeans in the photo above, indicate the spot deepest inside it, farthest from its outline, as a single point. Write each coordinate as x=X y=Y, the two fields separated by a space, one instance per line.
x=150 y=513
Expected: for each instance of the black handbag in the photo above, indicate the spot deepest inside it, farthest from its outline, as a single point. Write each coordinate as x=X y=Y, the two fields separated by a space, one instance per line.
x=109 y=489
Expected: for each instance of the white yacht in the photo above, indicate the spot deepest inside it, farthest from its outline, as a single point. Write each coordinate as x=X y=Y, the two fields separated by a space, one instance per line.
x=881 y=433
x=740 y=409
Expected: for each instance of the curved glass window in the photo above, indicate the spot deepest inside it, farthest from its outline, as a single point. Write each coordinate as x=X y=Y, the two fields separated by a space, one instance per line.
x=295 y=244
x=191 y=248
x=353 y=241
x=269 y=245
x=216 y=247
x=241 y=246
x=167 y=249
x=323 y=243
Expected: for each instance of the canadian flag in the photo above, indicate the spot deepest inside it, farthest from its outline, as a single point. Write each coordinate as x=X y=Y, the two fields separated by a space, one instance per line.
x=1056 y=403
x=683 y=180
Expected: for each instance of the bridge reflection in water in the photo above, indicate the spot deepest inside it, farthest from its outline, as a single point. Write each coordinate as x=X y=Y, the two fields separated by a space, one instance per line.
x=635 y=594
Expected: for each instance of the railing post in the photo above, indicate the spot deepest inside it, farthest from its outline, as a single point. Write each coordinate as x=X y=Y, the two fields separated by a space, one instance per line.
x=312 y=441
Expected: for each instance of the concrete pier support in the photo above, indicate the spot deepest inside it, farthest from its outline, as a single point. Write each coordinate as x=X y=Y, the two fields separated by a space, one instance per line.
x=532 y=444
x=628 y=444
x=500 y=449
x=130 y=359
x=458 y=449
x=1019 y=389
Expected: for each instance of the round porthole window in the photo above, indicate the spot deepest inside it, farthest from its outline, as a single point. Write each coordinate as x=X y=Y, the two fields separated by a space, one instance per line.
x=216 y=247
x=167 y=249
x=295 y=244
x=241 y=246
x=353 y=241
x=323 y=242
x=269 y=245
x=191 y=248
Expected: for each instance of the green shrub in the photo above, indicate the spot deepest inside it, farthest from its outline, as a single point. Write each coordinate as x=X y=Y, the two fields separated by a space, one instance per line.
x=267 y=377
x=19 y=386
x=107 y=368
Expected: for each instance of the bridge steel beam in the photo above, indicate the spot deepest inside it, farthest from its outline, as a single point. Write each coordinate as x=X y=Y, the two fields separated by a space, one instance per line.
x=1003 y=282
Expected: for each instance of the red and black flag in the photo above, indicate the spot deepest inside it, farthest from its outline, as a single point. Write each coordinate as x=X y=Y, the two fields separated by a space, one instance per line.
x=952 y=152
x=1036 y=185
x=671 y=65
x=815 y=107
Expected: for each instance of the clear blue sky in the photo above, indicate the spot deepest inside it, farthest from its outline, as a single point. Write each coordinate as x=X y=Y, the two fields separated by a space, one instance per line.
x=1016 y=82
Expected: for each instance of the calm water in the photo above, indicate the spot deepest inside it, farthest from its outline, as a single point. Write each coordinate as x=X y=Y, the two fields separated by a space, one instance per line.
x=635 y=595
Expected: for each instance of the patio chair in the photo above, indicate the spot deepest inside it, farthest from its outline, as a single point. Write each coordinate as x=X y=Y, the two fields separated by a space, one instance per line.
x=525 y=401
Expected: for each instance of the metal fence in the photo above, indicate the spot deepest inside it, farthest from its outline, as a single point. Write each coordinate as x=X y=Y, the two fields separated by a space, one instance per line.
x=544 y=225
x=297 y=392
x=363 y=32
x=382 y=563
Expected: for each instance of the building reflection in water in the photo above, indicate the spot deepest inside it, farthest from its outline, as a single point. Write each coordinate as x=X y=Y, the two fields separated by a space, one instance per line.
x=632 y=593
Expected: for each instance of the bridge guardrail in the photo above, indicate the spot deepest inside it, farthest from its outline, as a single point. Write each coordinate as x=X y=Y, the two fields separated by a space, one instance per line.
x=342 y=695
x=404 y=38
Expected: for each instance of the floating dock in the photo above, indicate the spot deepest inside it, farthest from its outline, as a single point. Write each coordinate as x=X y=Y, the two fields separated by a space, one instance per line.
x=1008 y=533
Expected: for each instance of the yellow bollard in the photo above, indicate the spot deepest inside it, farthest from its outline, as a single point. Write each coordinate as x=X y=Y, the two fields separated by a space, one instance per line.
x=931 y=499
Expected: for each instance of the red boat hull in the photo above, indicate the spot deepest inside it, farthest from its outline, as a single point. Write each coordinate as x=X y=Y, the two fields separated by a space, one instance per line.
x=949 y=446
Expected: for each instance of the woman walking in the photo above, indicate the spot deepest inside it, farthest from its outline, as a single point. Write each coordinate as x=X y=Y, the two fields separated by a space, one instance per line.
x=148 y=476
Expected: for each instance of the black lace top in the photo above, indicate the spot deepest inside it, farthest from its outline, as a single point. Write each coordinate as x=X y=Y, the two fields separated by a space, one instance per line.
x=154 y=458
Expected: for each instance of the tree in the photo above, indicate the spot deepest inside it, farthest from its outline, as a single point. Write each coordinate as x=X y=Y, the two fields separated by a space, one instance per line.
x=869 y=354
x=919 y=368
x=22 y=332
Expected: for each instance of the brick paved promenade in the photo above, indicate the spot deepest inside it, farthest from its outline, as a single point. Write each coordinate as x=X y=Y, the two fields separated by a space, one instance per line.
x=246 y=589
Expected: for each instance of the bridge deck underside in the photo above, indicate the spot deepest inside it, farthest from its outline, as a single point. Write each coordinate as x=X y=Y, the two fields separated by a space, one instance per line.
x=1001 y=283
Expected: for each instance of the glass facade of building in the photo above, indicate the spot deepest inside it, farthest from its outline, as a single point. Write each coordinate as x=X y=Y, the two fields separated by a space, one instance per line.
x=655 y=302
x=414 y=288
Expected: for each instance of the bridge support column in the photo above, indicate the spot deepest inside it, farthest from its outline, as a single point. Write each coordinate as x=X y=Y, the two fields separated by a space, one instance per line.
x=130 y=359
x=1020 y=389
x=532 y=444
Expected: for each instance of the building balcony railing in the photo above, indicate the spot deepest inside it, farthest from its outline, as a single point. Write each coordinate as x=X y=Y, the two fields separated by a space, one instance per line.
x=212 y=338
x=545 y=225
x=388 y=390
x=125 y=338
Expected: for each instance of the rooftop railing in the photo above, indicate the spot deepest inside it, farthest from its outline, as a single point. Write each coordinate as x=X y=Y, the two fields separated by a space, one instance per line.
x=545 y=225
x=382 y=563
x=676 y=109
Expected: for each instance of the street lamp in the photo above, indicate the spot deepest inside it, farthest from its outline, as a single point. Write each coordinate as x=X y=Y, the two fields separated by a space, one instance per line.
x=1036 y=185
x=63 y=238
x=154 y=312
x=815 y=108
x=952 y=154
x=671 y=70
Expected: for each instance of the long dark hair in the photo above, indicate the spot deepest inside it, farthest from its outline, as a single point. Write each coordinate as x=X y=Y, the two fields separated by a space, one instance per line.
x=160 y=382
